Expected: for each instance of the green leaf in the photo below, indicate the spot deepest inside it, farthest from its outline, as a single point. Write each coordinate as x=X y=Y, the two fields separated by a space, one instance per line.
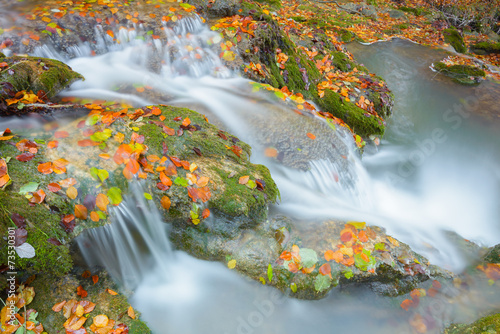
x=270 y=272
x=29 y=188
x=331 y=124
x=148 y=196
x=322 y=283
x=102 y=174
x=251 y=184
x=262 y=280
x=20 y=105
x=115 y=195
x=92 y=120
x=362 y=264
x=180 y=181
x=308 y=257
x=101 y=136
x=293 y=286
x=101 y=215
x=33 y=316
x=380 y=246
x=279 y=94
x=94 y=172
x=348 y=274
x=40 y=141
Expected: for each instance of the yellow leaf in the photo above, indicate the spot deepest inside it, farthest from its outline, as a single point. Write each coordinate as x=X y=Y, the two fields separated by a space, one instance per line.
x=229 y=56
x=79 y=311
x=393 y=241
x=231 y=264
x=101 y=320
x=72 y=192
x=357 y=225
x=131 y=312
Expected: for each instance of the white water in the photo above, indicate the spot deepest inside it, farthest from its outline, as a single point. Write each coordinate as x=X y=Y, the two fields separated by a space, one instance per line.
x=454 y=188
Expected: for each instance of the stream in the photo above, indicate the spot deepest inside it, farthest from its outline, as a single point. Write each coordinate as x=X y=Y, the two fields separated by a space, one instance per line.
x=436 y=171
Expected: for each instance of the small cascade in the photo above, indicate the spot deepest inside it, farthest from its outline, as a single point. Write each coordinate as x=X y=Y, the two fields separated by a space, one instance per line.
x=135 y=242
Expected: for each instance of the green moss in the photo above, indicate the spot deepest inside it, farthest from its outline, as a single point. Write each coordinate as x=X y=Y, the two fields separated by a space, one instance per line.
x=488 y=47
x=35 y=74
x=299 y=18
x=414 y=11
x=493 y=255
x=382 y=102
x=353 y=115
x=2 y=55
x=346 y=36
x=463 y=74
x=486 y=325
x=273 y=3
x=453 y=37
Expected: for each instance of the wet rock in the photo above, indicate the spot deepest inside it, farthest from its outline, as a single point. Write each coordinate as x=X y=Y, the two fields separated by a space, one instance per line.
x=487 y=325
x=396 y=14
x=36 y=74
x=493 y=255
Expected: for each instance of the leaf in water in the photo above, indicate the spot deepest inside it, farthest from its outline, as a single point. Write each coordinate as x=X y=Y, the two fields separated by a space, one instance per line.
x=205 y=214
x=337 y=256
x=393 y=241
x=270 y=272
x=67 y=182
x=81 y=211
x=308 y=257
x=271 y=152
x=148 y=196
x=165 y=179
x=72 y=192
x=293 y=287
x=61 y=134
x=53 y=144
x=357 y=225
x=231 y=264
x=103 y=174
x=115 y=195
x=28 y=188
x=322 y=283
x=326 y=270
x=45 y=168
x=180 y=181
x=165 y=202
x=229 y=55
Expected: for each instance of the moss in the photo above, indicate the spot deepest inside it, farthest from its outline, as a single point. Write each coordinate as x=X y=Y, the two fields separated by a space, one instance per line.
x=401 y=26
x=463 y=74
x=453 y=37
x=493 y=255
x=414 y=11
x=353 y=115
x=273 y=3
x=382 y=102
x=35 y=74
x=488 y=47
x=486 y=325
x=299 y=18
x=2 y=55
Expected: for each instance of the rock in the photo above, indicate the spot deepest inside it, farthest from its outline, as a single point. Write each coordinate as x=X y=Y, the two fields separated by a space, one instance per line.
x=197 y=149
x=493 y=255
x=50 y=290
x=36 y=74
x=487 y=325
x=453 y=37
x=396 y=14
x=463 y=74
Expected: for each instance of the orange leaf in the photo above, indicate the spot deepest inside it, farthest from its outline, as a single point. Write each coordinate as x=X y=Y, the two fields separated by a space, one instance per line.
x=286 y=255
x=337 y=256
x=244 y=179
x=54 y=187
x=308 y=270
x=61 y=134
x=346 y=235
x=325 y=270
x=58 y=307
x=104 y=156
x=45 y=168
x=111 y=292
x=95 y=279
x=80 y=291
x=186 y=121
x=271 y=152
x=202 y=181
x=67 y=182
x=81 y=211
x=156 y=111
x=102 y=202
x=293 y=267
x=165 y=202
x=133 y=166
x=100 y=321
x=348 y=262
x=165 y=179
x=38 y=197
x=205 y=214
x=52 y=144
x=153 y=158
x=110 y=33
x=406 y=304
x=362 y=236
x=86 y=274
x=94 y=216
x=310 y=135
x=131 y=312
x=72 y=192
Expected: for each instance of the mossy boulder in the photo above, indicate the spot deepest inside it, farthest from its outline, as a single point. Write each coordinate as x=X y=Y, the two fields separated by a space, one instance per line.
x=455 y=39
x=463 y=74
x=493 y=255
x=487 y=325
x=487 y=47
x=50 y=290
x=203 y=164
x=37 y=74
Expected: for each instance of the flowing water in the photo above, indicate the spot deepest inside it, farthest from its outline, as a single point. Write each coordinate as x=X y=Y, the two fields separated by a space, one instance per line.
x=435 y=171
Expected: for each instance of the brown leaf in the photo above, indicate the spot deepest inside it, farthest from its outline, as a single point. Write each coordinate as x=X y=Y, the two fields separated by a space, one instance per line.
x=25 y=157
x=244 y=179
x=38 y=197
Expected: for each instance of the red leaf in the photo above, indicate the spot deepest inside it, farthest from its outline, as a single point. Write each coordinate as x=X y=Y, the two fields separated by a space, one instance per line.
x=406 y=304
x=205 y=214
x=237 y=150
x=25 y=157
x=87 y=142
x=325 y=270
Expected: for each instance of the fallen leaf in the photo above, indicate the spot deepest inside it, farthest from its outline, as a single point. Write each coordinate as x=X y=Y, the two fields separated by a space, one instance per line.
x=71 y=192
x=131 y=312
x=58 y=306
x=165 y=202
x=244 y=179
x=81 y=211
